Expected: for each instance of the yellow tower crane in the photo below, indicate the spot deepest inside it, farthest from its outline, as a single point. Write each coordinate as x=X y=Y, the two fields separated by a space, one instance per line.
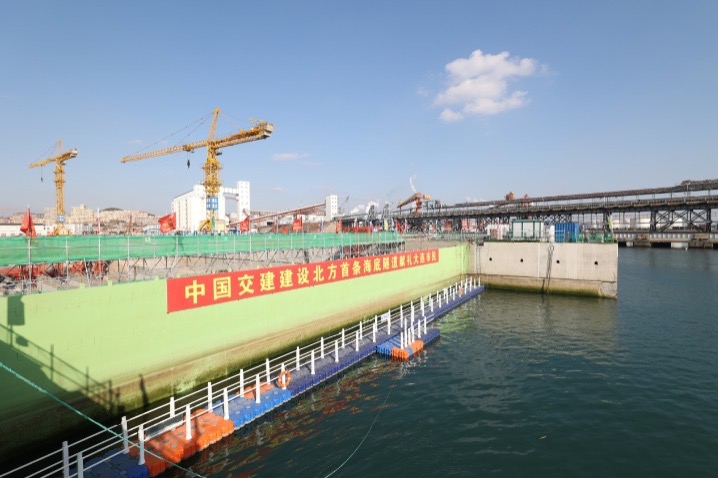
x=60 y=159
x=212 y=183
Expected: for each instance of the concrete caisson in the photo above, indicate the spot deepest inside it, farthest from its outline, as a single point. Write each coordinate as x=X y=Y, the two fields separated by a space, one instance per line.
x=564 y=268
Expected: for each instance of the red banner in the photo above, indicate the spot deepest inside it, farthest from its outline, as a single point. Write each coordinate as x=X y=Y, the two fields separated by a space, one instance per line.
x=199 y=291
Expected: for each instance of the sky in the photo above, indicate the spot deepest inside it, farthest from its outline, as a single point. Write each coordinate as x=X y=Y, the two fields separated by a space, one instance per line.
x=461 y=100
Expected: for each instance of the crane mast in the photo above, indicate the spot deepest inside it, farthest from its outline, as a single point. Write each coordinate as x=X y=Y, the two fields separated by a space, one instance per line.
x=60 y=159
x=212 y=166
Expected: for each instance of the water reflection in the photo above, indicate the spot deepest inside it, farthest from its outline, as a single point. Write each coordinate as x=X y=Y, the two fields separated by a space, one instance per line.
x=555 y=324
x=521 y=385
x=275 y=444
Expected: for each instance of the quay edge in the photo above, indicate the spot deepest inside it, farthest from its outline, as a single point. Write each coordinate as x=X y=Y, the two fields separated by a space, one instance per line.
x=555 y=268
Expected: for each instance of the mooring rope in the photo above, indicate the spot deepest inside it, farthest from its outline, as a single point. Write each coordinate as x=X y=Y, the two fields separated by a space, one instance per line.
x=91 y=420
x=381 y=409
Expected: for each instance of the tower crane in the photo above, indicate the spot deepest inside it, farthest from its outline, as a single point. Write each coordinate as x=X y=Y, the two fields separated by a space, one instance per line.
x=211 y=167
x=60 y=159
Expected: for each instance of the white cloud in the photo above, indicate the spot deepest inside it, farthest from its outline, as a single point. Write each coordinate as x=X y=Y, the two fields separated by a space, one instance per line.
x=136 y=142
x=359 y=209
x=288 y=156
x=364 y=209
x=278 y=189
x=478 y=85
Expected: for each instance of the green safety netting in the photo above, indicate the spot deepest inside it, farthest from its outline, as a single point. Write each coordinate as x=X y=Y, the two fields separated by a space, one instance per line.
x=21 y=250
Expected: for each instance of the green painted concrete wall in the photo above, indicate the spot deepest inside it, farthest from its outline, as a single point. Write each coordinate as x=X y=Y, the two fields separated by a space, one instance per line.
x=114 y=348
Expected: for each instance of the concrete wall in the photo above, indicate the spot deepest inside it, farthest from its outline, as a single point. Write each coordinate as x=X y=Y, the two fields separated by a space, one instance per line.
x=110 y=349
x=582 y=269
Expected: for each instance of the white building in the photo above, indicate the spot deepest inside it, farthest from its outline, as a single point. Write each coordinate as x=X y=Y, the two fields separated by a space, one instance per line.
x=331 y=206
x=191 y=209
x=243 y=203
x=7 y=230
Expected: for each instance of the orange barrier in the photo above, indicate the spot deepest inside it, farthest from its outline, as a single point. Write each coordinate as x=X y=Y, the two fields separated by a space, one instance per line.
x=212 y=425
x=403 y=354
x=187 y=447
x=399 y=354
x=207 y=426
x=223 y=427
x=249 y=390
x=167 y=447
x=154 y=465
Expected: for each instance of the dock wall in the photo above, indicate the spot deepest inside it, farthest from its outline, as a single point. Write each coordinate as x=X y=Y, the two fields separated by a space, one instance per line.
x=111 y=349
x=562 y=268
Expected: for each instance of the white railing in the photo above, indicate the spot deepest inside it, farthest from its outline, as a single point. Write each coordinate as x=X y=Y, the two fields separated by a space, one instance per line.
x=73 y=459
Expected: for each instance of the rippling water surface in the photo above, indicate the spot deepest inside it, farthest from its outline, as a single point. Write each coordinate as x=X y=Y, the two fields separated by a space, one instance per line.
x=521 y=385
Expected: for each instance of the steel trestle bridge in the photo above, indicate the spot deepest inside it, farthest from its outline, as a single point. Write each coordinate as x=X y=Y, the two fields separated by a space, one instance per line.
x=687 y=206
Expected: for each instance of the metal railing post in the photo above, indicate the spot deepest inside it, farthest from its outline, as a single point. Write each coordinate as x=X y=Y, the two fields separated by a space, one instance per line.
x=141 y=441
x=125 y=436
x=65 y=460
x=80 y=465
x=188 y=423
x=257 y=389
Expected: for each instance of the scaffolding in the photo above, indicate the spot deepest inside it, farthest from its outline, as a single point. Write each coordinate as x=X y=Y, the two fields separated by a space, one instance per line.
x=44 y=264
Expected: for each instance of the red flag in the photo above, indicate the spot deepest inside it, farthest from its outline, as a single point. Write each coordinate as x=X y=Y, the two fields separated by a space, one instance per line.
x=168 y=223
x=297 y=225
x=28 y=227
x=339 y=226
x=398 y=226
x=244 y=225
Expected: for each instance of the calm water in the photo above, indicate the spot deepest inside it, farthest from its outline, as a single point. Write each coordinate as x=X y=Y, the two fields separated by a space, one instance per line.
x=521 y=385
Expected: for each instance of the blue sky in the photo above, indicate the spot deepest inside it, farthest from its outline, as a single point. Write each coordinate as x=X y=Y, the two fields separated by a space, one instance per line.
x=470 y=98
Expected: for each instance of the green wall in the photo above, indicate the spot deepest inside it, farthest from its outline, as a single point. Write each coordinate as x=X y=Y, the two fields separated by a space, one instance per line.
x=113 y=348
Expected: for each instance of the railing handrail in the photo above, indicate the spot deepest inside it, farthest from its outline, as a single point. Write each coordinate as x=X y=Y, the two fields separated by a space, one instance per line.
x=96 y=452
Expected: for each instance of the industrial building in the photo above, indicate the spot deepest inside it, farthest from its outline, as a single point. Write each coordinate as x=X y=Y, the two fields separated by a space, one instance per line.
x=191 y=209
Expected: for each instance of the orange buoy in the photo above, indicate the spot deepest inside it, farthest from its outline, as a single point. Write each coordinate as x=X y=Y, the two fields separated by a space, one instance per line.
x=284 y=378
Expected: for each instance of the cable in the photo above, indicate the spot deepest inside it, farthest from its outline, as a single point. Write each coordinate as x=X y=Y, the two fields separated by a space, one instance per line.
x=198 y=122
x=46 y=153
x=78 y=412
x=367 y=433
